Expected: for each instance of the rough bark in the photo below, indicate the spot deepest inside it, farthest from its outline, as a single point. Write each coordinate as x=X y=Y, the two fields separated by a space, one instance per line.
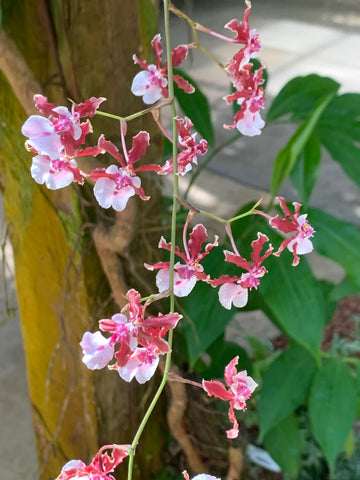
x=75 y=49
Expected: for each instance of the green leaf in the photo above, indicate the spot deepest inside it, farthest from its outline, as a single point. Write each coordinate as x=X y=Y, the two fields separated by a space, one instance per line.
x=343 y=289
x=339 y=132
x=337 y=240
x=330 y=304
x=221 y=353
x=258 y=349
x=196 y=107
x=287 y=157
x=290 y=296
x=285 y=445
x=332 y=406
x=305 y=171
x=300 y=96
x=284 y=387
x=207 y=319
x=294 y=300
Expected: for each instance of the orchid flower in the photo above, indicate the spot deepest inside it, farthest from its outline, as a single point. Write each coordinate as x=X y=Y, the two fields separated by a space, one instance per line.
x=57 y=139
x=299 y=243
x=151 y=82
x=100 y=466
x=188 y=273
x=114 y=185
x=241 y=386
x=234 y=290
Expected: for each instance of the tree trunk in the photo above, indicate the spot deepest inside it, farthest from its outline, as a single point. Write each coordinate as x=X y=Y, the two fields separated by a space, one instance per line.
x=73 y=261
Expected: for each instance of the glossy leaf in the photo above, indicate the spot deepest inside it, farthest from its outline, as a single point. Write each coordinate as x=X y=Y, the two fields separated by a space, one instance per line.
x=293 y=299
x=287 y=157
x=290 y=296
x=332 y=407
x=221 y=353
x=300 y=96
x=285 y=445
x=339 y=132
x=343 y=289
x=337 y=240
x=285 y=386
x=305 y=171
x=196 y=107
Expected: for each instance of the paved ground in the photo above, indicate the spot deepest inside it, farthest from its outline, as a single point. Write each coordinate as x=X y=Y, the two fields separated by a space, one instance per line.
x=298 y=38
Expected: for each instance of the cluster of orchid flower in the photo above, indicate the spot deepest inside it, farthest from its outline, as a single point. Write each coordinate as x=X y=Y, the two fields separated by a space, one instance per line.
x=103 y=464
x=59 y=139
x=136 y=340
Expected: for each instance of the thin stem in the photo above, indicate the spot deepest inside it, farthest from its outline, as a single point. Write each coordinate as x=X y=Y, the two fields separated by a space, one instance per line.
x=163 y=103
x=173 y=242
x=214 y=217
x=208 y=158
x=162 y=129
x=184 y=235
x=233 y=219
x=196 y=26
x=122 y=133
x=249 y=212
x=109 y=115
x=232 y=241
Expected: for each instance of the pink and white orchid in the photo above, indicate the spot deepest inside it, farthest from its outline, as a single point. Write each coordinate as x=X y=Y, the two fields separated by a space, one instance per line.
x=299 y=242
x=234 y=290
x=99 y=468
x=241 y=386
x=115 y=185
x=57 y=140
x=151 y=83
x=97 y=350
x=188 y=273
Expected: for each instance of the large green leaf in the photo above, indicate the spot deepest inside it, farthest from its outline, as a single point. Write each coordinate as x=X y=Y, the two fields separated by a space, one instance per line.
x=300 y=96
x=285 y=385
x=290 y=296
x=221 y=353
x=196 y=107
x=293 y=299
x=332 y=407
x=285 y=444
x=305 y=171
x=343 y=289
x=339 y=132
x=287 y=157
x=337 y=240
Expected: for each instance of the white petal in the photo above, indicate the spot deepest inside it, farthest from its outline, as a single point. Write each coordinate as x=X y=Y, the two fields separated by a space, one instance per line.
x=251 y=124
x=140 y=83
x=121 y=198
x=162 y=279
x=152 y=95
x=104 y=191
x=232 y=293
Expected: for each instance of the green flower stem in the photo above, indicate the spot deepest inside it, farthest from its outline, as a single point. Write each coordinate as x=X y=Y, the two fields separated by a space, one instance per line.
x=161 y=104
x=231 y=220
x=196 y=26
x=246 y=214
x=214 y=217
x=173 y=242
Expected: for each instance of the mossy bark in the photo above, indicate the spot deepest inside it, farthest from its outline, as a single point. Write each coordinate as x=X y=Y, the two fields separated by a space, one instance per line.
x=77 y=49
